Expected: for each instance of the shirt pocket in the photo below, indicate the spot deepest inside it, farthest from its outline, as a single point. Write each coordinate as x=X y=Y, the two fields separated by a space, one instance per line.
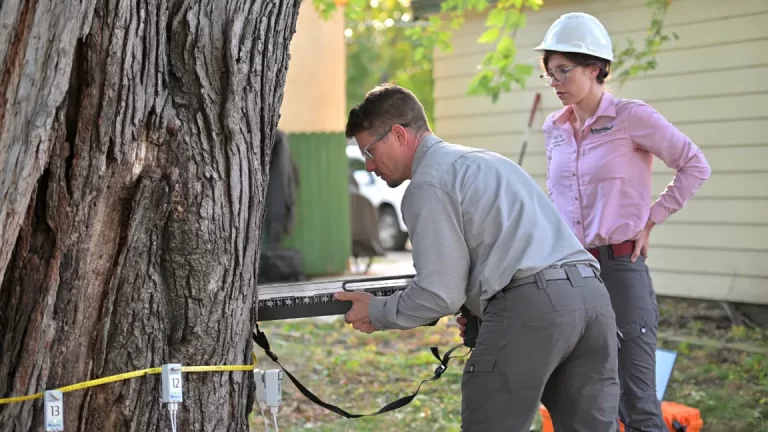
x=561 y=163
x=606 y=158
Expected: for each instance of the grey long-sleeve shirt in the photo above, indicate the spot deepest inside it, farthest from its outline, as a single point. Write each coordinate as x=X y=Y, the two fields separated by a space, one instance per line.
x=476 y=220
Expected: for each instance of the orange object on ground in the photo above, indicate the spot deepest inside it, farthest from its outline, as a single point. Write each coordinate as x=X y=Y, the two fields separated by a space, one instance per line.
x=672 y=412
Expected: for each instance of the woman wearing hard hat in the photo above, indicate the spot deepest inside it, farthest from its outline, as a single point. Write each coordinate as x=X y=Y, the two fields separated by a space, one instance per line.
x=599 y=154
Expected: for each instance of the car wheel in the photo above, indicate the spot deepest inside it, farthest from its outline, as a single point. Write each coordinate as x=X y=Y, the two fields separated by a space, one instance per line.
x=389 y=230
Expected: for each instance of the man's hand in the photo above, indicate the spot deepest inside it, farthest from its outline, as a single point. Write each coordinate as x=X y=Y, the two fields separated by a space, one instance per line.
x=461 y=320
x=358 y=314
x=643 y=241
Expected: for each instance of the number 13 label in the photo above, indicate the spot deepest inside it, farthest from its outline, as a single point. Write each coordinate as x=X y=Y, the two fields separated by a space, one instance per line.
x=54 y=411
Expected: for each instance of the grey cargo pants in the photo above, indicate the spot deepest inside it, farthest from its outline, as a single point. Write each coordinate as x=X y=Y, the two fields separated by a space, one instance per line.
x=637 y=315
x=551 y=341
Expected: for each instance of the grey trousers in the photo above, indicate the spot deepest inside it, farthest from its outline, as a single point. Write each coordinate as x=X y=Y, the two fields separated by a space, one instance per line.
x=553 y=342
x=637 y=315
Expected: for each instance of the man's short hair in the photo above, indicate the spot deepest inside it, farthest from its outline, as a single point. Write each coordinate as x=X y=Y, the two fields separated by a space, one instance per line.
x=384 y=106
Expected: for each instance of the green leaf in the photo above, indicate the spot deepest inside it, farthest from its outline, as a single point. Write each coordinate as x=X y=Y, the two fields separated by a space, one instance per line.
x=418 y=53
x=496 y=17
x=506 y=47
x=489 y=36
x=520 y=20
x=478 y=5
x=324 y=7
x=513 y=18
x=535 y=4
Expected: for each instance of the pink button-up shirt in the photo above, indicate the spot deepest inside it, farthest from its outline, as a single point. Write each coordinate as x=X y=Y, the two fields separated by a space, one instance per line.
x=600 y=179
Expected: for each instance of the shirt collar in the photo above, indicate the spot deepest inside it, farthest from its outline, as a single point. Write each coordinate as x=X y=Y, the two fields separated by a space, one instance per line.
x=424 y=145
x=607 y=108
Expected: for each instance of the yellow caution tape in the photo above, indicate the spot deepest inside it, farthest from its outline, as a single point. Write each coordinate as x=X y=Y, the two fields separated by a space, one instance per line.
x=134 y=374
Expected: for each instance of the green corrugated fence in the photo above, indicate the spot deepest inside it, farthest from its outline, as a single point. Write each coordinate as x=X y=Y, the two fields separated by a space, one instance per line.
x=322 y=231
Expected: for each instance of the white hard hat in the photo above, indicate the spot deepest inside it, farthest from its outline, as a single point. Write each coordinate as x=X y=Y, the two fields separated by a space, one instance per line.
x=578 y=32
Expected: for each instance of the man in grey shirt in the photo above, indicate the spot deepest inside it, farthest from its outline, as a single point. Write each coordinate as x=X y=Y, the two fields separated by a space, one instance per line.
x=486 y=236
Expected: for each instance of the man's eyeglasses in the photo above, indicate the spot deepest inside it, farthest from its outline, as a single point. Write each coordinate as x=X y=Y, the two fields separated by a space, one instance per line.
x=558 y=75
x=366 y=153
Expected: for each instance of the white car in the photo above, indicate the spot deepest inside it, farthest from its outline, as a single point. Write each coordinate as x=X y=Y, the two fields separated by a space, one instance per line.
x=385 y=199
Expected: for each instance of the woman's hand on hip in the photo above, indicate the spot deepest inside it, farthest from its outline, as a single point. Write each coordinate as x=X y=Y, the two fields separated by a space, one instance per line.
x=643 y=241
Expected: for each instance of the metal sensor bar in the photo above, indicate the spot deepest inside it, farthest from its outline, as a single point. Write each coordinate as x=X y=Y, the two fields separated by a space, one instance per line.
x=314 y=299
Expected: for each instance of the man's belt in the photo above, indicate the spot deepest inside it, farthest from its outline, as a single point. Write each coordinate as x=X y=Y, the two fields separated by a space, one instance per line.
x=560 y=273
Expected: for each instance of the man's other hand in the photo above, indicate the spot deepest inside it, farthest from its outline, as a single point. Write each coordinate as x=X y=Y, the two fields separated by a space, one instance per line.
x=358 y=314
x=461 y=320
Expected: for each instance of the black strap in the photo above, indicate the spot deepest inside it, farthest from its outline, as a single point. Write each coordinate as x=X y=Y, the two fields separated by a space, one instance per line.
x=679 y=427
x=261 y=340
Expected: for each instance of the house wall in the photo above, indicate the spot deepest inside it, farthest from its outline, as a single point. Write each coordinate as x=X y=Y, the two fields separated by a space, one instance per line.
x=712 y=83
x=315 y=88
x=313 y=115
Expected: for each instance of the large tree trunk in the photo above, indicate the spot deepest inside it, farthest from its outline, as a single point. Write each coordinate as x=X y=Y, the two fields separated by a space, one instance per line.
x=134 y=146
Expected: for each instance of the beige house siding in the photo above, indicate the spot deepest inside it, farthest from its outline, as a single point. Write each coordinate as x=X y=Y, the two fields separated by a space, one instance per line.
x=315 y=97
x=712 y=83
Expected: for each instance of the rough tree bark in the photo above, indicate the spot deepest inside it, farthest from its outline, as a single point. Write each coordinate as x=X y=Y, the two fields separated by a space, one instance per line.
x=134 y=146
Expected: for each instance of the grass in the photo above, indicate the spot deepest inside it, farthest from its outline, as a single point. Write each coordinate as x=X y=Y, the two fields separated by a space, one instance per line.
x=361 y=373
x=729 y=386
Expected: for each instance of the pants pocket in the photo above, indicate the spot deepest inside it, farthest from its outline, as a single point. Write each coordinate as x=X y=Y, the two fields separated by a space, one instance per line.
x=482 y=393
x=563 y=296
x=632 y=295
x=480 y=364
x=645 y=324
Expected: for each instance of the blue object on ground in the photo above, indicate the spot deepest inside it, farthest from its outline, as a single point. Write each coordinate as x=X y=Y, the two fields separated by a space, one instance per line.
x=665 y=362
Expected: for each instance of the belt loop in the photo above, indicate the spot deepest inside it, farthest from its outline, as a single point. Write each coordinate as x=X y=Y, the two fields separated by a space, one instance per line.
x=541 y=281
x=606 y=253
x=574 y=275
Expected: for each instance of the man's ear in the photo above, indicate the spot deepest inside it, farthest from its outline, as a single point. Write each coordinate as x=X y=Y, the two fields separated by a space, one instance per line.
x=401 y=135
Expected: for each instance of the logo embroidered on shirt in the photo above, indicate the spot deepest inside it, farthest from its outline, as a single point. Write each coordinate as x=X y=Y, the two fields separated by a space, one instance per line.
x=557 y=140
x=603 y=129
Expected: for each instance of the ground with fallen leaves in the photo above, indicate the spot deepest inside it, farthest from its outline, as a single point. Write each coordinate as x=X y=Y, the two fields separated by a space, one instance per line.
x=721 y=369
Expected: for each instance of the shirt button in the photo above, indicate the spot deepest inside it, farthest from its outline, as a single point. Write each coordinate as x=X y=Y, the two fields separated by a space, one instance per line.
x=574 y=174
x=471 y=368
x=642 y=330
x=578 y=222
x=575 y=198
